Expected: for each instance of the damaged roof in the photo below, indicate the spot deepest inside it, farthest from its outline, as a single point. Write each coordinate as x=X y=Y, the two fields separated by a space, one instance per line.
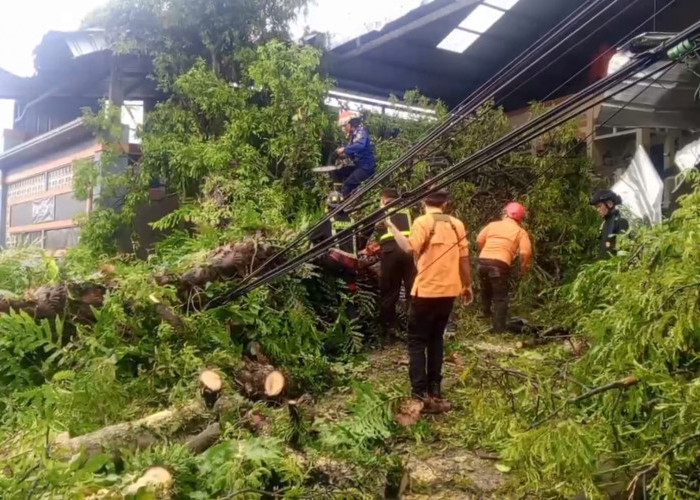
x=75 y=64
x=413 y=52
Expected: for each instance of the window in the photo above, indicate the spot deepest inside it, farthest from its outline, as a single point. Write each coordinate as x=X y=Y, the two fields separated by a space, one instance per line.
x=61 y=177
x=478 y=22
x=132 y=117
x=27 y=187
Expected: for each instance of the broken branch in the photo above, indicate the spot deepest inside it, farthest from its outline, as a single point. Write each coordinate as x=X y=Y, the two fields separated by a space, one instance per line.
x=618 y=384
x=654 y=465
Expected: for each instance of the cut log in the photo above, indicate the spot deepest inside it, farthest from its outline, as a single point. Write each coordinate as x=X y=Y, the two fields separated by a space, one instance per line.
x=156 y=479
x=261 y=381
x=138 y=434
x=211 y=385
x=274 y=384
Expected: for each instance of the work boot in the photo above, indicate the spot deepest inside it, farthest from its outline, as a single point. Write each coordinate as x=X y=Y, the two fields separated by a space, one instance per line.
x=430 y=407
x=440 y=404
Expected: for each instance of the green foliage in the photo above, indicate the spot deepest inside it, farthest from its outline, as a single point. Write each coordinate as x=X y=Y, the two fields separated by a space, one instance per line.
x=639 y=312
x=29 y=352
x=21 y=269
x=178 y=33
x=370 y=424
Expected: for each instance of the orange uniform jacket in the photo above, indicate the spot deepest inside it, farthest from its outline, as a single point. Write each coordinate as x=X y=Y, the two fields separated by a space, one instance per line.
x=438 y=266
x=503 y=240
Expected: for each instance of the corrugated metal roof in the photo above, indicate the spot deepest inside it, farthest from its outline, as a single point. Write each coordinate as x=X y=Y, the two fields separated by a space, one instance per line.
x=404 y=54
x=80 y=43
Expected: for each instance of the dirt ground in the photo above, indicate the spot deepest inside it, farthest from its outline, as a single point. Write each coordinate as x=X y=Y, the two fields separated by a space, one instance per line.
x=441 y=467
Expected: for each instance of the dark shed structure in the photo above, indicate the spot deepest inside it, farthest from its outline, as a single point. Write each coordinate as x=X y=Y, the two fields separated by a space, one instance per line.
x=404 y=54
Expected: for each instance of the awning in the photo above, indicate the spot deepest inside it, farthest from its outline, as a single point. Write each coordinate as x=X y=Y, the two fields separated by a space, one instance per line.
x=668 y=103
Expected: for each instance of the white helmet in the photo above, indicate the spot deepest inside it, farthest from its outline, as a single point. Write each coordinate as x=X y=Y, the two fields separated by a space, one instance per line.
x=344 y=117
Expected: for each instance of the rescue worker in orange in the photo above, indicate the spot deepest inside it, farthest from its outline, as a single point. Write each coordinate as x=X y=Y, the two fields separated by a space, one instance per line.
x=500 y=243
x=438 y=243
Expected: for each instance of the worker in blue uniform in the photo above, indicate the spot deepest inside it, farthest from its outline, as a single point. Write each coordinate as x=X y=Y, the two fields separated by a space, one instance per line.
x=360 y=153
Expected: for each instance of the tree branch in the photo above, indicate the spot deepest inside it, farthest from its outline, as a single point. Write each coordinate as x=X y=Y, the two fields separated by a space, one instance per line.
x=653 y=465
x=678 y=290
x=618 y=384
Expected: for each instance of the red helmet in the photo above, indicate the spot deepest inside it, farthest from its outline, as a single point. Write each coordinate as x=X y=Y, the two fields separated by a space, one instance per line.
x=516 y=211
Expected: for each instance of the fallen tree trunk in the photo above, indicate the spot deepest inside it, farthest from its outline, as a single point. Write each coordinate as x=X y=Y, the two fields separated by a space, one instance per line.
x=75 y=301
x=235 y=260
x=138 y=434
x=72 y=300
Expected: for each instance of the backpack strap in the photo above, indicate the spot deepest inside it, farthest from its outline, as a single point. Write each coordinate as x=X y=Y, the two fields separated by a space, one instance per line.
x=438 y=218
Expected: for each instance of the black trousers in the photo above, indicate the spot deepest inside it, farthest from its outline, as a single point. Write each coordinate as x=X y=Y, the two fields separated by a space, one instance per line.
x=426 y=349
x=494 y=276
x=397 y=268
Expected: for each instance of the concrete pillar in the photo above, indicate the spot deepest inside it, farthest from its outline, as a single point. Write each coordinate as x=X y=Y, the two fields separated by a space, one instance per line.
x=670 y=150
x=644 y=139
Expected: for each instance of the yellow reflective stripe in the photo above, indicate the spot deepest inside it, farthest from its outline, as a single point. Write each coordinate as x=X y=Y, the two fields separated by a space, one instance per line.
x=389 y=236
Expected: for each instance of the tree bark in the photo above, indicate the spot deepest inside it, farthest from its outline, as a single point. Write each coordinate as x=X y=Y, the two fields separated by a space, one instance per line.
x=75 y=301
x=138 y=434
x=260 y=381
x=204 y=440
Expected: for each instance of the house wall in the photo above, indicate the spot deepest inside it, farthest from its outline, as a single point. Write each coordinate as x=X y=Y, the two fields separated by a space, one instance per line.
x=40 y=205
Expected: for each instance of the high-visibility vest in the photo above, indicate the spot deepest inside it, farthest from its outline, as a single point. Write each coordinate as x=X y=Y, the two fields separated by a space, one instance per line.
x=338 y=224
x=403 y=222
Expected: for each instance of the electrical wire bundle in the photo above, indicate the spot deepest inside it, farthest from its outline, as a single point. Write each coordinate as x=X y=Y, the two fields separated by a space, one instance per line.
x=627 y=77
x=538 y=53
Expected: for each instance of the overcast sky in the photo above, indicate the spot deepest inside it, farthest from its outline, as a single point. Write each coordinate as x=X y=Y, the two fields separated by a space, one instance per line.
x=24 y=22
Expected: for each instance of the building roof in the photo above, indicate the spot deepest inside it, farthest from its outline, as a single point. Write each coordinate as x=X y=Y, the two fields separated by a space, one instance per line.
x=76 y=64
x=404 y=54
x=55 y=139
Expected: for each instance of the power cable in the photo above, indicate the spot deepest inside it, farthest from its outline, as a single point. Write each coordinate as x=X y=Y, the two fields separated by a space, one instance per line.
x=454 y=174
x=663 y=72
x=417 y=194
x=463 y=110
x=461 y=169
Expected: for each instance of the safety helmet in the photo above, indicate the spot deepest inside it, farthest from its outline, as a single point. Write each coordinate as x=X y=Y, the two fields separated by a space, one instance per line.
x=606 y=195
x=345 y=117
x=334 y=199
x=516 y=211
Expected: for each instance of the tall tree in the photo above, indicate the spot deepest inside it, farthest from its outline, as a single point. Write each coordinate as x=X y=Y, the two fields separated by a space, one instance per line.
x=178 y=32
